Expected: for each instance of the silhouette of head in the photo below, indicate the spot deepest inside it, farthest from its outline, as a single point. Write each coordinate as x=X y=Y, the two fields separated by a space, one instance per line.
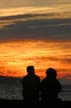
x=30 y=70
x=51 y=73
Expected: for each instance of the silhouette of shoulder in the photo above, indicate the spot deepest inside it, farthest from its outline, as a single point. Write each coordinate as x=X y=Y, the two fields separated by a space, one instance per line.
x=51 y=84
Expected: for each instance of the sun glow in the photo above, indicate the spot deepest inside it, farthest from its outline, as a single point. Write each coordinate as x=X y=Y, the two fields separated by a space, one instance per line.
x=15 y=56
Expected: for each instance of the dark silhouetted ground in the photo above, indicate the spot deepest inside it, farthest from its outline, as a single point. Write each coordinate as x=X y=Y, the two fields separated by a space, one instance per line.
x=20 y=103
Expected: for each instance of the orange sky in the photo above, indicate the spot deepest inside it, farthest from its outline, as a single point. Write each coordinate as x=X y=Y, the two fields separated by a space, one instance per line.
x=15 y=56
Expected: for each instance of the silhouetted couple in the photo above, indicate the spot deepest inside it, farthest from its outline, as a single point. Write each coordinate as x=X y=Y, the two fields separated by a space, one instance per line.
x=49 y=88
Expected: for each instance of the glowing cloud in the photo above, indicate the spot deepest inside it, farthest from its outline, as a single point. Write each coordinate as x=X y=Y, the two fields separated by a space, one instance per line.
x=59 y=10
x=16 y=56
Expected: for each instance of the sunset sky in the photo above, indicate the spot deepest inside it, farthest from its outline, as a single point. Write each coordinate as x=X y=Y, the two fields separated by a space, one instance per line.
x=35 y=32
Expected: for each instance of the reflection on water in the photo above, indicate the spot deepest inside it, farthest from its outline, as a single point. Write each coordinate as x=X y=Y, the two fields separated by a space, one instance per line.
x=14 y=91
x=66 y=93
x=8 y=91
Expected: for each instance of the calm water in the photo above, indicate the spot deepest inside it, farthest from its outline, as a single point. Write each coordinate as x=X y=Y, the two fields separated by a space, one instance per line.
x=14 y=91
x=66 y=93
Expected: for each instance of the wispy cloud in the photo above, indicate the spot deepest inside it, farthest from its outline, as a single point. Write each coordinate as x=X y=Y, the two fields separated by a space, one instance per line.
x=60 y=9
x=15 y=56
x=37 y=3
x=51 y=29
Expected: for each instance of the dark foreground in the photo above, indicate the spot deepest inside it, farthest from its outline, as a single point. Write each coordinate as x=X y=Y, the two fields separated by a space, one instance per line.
x=20 y=103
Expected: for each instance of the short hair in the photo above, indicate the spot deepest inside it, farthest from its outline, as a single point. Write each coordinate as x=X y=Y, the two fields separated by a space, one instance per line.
x=30 y=69
x=51 y=72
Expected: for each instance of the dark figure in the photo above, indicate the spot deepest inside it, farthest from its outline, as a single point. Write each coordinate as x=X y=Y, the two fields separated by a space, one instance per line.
x=50 y=87
x=31 y=87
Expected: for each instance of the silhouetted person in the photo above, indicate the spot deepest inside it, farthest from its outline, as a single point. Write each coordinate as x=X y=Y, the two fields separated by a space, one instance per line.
x=50 y=87
x=31 y=86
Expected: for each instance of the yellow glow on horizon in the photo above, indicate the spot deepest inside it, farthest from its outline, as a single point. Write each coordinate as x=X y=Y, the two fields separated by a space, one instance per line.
x=15 y=56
